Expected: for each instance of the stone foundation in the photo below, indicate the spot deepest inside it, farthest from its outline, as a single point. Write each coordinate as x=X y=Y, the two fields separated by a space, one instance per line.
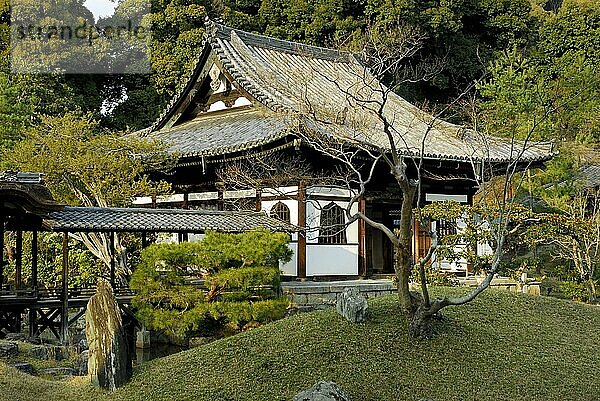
x=310 y=294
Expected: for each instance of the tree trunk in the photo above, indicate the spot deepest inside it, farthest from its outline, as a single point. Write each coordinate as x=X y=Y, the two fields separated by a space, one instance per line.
x=403 y=276
x=421 y=324
x=403 y=256
x=591 y=288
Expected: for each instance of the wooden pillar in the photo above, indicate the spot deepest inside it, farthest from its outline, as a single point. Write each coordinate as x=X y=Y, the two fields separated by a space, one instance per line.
x=258 y=205
x=220 y=198
x=144 y=240
x=64 y=310
x=1 y=252
x=34 y=261
x=416 y=233
x=302 y=234
x=184 y=237
x=362 y=243
x=34 y=283
x=112 y=260
x=19 y=261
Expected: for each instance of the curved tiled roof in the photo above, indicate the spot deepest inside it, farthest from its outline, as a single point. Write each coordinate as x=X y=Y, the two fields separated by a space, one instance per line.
x=221 y=133
x=309 y=84
x=85 y=219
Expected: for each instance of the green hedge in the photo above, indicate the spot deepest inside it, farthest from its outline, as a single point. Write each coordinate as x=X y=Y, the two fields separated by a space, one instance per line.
x=240 y=271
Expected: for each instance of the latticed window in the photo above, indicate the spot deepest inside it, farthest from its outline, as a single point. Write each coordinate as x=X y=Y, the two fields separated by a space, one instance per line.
x=445 y=227
x=280 y=211
x=332 y=227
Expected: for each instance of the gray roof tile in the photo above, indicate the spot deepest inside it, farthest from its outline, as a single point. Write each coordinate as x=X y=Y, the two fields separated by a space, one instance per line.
x=85 y=219
x=221 y=133
x=289 y=78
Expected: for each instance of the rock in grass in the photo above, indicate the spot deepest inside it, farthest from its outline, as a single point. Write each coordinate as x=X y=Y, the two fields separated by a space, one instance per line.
x=48 y=352
x=109 y=364
x=322 y=391
x=23 y=367
x=59 y=373
x=15 y=337
x=352 y=305
x=9 y=350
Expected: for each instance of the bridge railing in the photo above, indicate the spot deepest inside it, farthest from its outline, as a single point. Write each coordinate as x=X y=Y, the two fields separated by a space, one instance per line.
x=57 y=292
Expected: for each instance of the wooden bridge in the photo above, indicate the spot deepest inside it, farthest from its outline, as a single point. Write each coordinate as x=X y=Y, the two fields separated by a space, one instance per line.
x=48 y=309
x=26 y=205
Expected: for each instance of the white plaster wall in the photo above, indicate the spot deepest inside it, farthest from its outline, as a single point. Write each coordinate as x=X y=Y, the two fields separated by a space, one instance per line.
x=281 y=191
x=331 y=260
x=446 y=197
x=315 y=191
x=291 y=268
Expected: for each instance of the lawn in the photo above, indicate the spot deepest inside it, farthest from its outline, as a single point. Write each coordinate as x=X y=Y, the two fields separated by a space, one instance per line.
x=503 y=346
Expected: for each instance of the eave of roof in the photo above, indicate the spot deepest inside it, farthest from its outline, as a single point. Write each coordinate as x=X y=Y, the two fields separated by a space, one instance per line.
x=243 y=54
x=86 y=219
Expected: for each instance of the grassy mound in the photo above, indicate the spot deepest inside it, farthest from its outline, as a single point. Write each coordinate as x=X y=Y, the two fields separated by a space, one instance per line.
x=501 y=347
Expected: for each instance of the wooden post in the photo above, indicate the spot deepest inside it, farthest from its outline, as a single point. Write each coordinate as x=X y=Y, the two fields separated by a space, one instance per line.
x=362 y=243
x=220 y=198
x=34 y=284
x=302 y=234
x=258 y=205
x=144 y=240
x=186 y=199
x=1 y=252
x=64 y=311
x=19 y=261
x=34 y=261
x=112 y=260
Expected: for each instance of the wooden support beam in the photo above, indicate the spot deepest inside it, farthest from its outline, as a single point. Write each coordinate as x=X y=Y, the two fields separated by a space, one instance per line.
x=220 y=198
x=302 y=234
x=1 y=251
x=258 y=205
x=64 y=310
x=362 y=243
x=34 y=261
x=112 y=260
x=34 y=283
x=19 y=261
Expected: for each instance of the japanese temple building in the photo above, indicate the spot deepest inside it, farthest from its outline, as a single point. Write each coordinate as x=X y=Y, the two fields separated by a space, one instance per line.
x=250 y=96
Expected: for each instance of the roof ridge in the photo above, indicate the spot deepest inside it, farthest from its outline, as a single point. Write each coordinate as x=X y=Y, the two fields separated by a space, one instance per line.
x=214 y=30
x=224 y=32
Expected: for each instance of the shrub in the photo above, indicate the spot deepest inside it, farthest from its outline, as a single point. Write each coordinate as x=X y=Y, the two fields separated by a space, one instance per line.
x=240 y=271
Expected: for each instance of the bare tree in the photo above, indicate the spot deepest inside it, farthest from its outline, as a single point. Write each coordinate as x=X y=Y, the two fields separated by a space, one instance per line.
x=364 y=126
x=349 y=138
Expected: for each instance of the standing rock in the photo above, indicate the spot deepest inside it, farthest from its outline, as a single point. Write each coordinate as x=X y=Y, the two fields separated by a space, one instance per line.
x=352 y=305
x=109 y=364
x=9 y=350
x=322 y=391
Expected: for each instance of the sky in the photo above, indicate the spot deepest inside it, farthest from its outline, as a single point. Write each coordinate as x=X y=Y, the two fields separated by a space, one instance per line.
x=101 y=8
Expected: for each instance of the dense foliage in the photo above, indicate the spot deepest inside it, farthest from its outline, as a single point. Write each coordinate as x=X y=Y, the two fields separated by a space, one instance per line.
x=84 y=268
x=198 y=287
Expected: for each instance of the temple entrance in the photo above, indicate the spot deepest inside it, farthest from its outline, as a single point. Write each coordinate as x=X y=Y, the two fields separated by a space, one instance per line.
x=380 y=253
